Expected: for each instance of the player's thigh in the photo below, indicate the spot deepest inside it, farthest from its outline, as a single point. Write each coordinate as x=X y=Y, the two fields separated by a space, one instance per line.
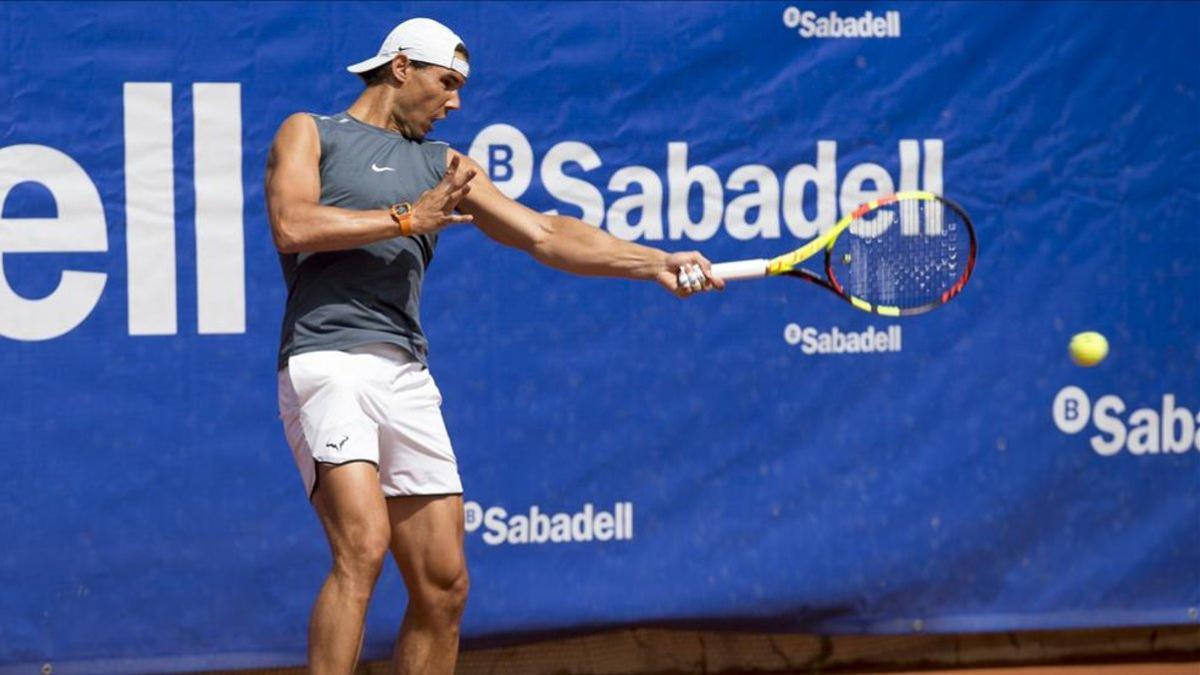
x=353 y=512
x=416 y=457
x=427 y=542
x=321 y=405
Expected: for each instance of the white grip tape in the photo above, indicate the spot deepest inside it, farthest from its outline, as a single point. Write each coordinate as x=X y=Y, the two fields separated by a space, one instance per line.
x=741 y=269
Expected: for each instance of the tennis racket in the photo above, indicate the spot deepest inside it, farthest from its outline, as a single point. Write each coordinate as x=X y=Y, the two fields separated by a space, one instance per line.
x=899 y=255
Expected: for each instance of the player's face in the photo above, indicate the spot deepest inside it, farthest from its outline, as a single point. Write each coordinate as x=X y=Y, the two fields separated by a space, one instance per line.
x=432 y=94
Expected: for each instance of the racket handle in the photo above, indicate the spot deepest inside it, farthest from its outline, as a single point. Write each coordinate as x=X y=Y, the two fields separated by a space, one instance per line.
x=741 y=269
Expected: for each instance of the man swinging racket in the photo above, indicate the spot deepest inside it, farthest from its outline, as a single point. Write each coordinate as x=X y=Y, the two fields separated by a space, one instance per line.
x=356 y=201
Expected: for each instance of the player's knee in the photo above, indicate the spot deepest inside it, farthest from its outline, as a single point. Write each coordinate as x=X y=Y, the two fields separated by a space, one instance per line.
x=454 y=598
x=456 y=595
x=443 y=599
x=360 y=556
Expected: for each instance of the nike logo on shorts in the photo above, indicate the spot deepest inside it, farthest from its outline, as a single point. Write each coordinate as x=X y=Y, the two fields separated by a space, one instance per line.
x=381 y=169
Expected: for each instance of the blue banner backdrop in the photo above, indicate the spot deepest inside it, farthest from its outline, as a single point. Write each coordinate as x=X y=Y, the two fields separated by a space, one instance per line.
x=628 y=458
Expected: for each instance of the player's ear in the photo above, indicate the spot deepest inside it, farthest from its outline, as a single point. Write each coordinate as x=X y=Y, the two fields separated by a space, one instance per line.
x=400 y=68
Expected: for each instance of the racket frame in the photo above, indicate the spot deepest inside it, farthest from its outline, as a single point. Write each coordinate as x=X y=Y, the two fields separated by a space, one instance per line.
x=788 y=263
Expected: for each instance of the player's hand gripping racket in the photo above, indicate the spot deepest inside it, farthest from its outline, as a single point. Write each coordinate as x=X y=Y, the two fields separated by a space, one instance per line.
x=899 y=255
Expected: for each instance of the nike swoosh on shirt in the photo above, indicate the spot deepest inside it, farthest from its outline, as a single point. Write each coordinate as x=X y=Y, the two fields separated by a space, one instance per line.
x=380 y=169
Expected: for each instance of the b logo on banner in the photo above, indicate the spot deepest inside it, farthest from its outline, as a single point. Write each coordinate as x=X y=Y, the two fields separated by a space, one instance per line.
x=504 y=152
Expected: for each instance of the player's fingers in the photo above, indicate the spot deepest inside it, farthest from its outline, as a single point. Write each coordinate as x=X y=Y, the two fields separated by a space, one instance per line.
x=688 y=280
x=451 y=170
x=449 y=219
x=453 y=198
x=685 y=280
x=449 y=192
x=711 y=280
x=677 y=284
x=463 y=179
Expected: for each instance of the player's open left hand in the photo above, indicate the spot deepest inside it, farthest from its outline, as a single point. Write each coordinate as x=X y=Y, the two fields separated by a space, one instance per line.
x=688 y=273
x=434 y=210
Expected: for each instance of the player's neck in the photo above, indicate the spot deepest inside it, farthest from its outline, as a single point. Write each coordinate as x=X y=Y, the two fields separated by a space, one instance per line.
x=375 y=107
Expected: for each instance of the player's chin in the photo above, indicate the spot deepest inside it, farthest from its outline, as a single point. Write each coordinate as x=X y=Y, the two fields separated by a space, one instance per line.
x=418 y=133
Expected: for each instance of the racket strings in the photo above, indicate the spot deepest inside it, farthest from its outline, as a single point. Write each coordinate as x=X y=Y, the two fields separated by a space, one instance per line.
x=906 y=254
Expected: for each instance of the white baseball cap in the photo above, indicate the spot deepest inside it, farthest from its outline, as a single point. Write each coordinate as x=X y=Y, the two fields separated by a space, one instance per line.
x=420 y=40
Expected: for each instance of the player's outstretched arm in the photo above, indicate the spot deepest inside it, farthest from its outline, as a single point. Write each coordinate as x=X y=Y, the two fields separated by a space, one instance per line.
x=299 y=223
x=570 y=244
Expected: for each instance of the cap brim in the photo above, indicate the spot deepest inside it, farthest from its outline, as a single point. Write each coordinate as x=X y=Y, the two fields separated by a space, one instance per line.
x=370 y=64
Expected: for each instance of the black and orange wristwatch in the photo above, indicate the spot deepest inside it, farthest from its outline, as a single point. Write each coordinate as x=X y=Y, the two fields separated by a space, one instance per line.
x=402 y=215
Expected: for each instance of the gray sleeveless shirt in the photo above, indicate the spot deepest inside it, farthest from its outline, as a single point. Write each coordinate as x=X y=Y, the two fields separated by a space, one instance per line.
x=343 y=299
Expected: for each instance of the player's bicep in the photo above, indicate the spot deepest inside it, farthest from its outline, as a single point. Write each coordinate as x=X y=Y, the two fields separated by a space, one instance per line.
x=501 y=218
x=293 y=176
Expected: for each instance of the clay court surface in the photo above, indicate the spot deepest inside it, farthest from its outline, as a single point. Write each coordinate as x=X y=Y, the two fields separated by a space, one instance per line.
x=1116 y=669
x=1173 y=650
x=1190 y=668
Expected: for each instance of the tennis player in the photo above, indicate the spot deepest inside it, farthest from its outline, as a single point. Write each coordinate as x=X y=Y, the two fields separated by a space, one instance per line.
x=356 y=200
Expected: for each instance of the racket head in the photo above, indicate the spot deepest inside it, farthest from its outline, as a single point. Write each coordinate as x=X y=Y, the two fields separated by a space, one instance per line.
x=903 y=254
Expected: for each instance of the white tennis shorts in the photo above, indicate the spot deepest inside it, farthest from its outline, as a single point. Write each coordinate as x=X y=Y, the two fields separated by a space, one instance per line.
x=374 y=403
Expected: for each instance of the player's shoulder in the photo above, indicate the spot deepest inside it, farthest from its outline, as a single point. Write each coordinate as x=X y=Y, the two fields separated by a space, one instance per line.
x=298 y=122
x=297 y=133
x=312 y=120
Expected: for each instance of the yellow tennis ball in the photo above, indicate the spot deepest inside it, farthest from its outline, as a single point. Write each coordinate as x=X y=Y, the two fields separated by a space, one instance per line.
x=1088 y=349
